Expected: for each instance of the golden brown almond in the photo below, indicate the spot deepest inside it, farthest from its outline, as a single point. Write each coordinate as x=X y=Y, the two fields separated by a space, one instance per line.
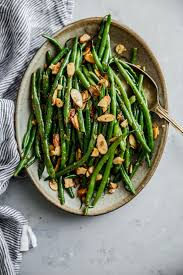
x=113 y=185
x=87 y=174
x=59 y=87
x=81 y=192
x=59 y=103
x=84 y=38
x=105 y=101
x=120 y=49
x=98 y=177
x=104 y=82
x=87 y=50
x=95 y=153
x=54 y=96
x=132 y=141
x=78 y=154
x=120 y=117
x=106 y=118
x=85 y=96
x=89 y=58
x=55 y=68
x=118 y=160
x=111 y=191
x=68 y=183
x=51 y=147
x=97 y=72
x=75 y=122
x=94 y=90
x=70 y=69
x=81 y=171
x=53 y=185
x=102 y=144
x=91 y=169
x=124 y=123
x=56 y=140
x=155 y=131
x=77 y=98
x=57 y=151
x=52 y=153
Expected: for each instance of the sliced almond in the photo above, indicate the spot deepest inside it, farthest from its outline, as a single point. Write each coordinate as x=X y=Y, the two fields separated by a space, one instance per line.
x=77 y=98
x=89 y=58
x=155 y=131
x=84 y=38
x=75 y=122
x=118 y=160
x=53 y=185
x=54 y=96
x=95 y=153
x=104 y=82
x=106 y=118
x=55 y=68
x=87 y=174
x=81 y=192
x=56 y=140
x=68 y=183
x=98 y=177
x=81 y=171
x=51 y=147
x=120 y=48
x=120 y=117
x=97 y=72
x=78 y=154
x=113 y=185
x=57 y=151
x=111 y=191
x=132 y=141
x=91 y=169
x=87 y=50
x=59 y=103
x=70 y=69
x=59 y=87
x=85 y=96
x=94 y=90
x=102 y=144
x=124 y=123
x=57 y=164
x=105 y=101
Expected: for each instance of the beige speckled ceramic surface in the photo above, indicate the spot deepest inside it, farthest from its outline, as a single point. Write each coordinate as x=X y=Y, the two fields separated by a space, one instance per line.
x=119 y=34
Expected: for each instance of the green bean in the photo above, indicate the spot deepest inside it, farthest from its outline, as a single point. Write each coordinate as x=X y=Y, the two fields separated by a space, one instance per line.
x=70 y=192
x=79 y=163
x=127 y=180
x=27 y=134
x=81 y=120
x=104 y=178
x=105 y=59
x=62 y=141
x=25 y=158
x=39 y=119
x=72 y=152
x=89 y=67
x=99 y=37
x=74 y=50
x=138 y=163
x=134 y=56
x=104 y=36
x=141 y=102
x=30 y=161
x=53 y=41
x=45 y=83
x=48 y=57
x=61 y=191
x=58 y=57
x=96 y=171
x=126 y=66
x=127 y=157
x=87 y=75
x=38 y=81
x=78 y=59
x=132 y=99
x=83 y=79
x=118 y=132
x=37 y=146
x=97 y=60
x=87 y=126
x=100 y=125
x=67 y=102
x=80 y=139
x=95 y=78
x=49 y=103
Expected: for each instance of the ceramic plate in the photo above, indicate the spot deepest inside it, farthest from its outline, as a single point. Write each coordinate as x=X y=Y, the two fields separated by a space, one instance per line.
x=119 y=34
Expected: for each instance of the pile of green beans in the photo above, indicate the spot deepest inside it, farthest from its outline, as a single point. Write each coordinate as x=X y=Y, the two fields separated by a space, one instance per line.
x=97 y=143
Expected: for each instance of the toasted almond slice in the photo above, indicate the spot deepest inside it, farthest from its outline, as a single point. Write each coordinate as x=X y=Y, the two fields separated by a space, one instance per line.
x=155 y=131
x=118 y=160
x=68 y=183
x=57 y=164
x=111 y=191
x=95 y=152
x=98 y=177
x=78 y=154
x=105 y=101
x=84 y=38
x=54 y=96
x=81 y=171
x=89 y=58
x=55 y=68
x=87 y=174
x=106 y=118
x=87 y=50
x=124 y=123
x=113 y=185
x=94 y=90
x=59 y=103
x=70 y=69
x=75 y=122
x=120 y=117
x=59 y=87
x=91 y=169
x=77 y=98
x=81 y=192
x=51 y=147
x=120 y=48
x=85 y=96
x=56 y=140
x=104 y=82
x=53 y=185
x=57 y=151
x=102 y=144
x=132 y=141
x=97 y=72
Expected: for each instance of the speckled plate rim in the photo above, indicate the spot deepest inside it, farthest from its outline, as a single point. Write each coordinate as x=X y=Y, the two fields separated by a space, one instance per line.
x=164 y=137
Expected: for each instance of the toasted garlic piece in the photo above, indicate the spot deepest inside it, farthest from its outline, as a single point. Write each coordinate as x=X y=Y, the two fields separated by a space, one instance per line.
x=98 y=177
x=77 y=98
x=106 y=118
x=102 y=144
x=53 y=185
x=89 y=57
x=155 y=131
x=78 y=154
x=132 y=141
x=113 y=185
x=81 y=192
x=120 y=48
x=70 y=69
x=56 y=139
x=55 y=68
x=95 y=152
x=94 y=90
x=91 y=169
x=81 y=171
x=118 y=160
x=68 y=183
x=124 y=123
x=59 y=103
x=84 y=38
x=105 y=101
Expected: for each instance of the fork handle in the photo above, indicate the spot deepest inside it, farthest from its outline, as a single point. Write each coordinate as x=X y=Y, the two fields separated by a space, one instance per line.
x=162 y=113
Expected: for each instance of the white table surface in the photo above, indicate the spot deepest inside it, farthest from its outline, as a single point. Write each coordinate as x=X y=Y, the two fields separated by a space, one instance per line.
x=146 y=236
